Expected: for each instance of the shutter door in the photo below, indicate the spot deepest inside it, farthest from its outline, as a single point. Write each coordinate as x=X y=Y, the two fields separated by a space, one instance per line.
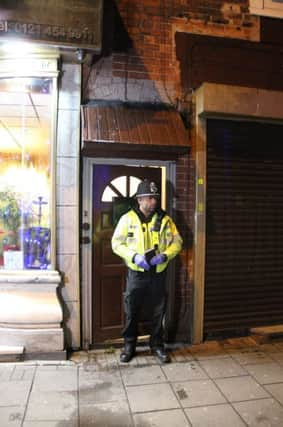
x=244 y=241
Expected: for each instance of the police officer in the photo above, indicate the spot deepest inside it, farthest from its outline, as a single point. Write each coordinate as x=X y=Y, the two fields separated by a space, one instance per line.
x=147 y=239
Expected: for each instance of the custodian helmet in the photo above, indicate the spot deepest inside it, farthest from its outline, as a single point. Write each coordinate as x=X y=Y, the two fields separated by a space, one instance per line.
x=146 y=188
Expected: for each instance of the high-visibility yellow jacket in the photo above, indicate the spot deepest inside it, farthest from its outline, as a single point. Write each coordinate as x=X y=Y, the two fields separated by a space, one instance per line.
x=132 y=236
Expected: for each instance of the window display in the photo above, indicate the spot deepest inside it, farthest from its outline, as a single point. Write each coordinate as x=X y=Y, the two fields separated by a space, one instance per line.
x=25 y=188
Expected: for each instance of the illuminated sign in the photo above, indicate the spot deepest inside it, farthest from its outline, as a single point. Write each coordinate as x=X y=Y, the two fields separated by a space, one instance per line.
x=64 y=22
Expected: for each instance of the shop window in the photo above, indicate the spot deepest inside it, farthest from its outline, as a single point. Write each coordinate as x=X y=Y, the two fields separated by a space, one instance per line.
x=26 y=137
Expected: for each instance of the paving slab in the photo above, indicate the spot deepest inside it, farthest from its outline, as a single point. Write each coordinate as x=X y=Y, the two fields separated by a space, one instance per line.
x=223 y=367
x=261 y=413
x=214 y=416
x=198 y=393
x=142 y=375
x=152 y=397
x=52 y=405
x=231 y=383
x=108 y=414
x=6 y=371
x=184 y=371
x=65 y=378
x=173 y=418
x=11 y=416
x=23 y=373
x=152 y=360
x=266 y=373
x=276 y=390
x=241 y=388
x=97 y=386
x=144 y=357
x=14 y=393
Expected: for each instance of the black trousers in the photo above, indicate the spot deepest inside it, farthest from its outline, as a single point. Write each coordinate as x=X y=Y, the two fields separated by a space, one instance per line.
x=145 y=290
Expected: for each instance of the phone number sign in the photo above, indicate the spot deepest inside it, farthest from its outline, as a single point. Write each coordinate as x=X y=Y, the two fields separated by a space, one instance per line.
x=68 y=22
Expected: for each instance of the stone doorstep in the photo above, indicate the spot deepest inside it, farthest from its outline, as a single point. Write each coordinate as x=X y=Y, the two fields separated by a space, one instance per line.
x=11 y=353
x=265 y=334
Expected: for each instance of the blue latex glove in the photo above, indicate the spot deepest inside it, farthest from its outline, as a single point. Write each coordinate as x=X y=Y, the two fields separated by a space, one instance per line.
x=140 y=261
x=158 y=259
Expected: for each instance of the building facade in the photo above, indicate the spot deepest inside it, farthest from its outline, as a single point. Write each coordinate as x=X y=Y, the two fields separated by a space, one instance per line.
x=188 y=94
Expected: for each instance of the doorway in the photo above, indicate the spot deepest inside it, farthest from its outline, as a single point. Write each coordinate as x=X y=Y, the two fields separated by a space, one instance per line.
x=109 y=190
x=113 y=187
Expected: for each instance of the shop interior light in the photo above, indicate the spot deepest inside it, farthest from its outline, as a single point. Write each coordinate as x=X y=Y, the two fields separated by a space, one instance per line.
x=25 y=180
x=17 y=48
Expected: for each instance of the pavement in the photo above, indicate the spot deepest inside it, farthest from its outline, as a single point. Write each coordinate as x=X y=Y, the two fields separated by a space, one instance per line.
x=229 y=383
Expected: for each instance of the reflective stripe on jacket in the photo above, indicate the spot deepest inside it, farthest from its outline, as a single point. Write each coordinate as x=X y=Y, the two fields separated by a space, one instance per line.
x=129 y=239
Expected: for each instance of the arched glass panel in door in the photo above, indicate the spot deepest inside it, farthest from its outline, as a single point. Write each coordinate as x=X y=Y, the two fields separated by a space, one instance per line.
x=123 y=186
x=120 y=191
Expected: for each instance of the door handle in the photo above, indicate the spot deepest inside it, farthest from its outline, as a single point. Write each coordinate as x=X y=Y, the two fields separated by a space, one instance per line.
x=86 y=226
x=85 y=240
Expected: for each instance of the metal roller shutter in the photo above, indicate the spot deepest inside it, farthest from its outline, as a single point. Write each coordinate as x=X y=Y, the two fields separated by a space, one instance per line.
x=244 y=240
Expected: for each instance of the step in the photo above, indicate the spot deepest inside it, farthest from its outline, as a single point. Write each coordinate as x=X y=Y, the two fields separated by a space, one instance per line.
x=11 y=353
x=265 y=334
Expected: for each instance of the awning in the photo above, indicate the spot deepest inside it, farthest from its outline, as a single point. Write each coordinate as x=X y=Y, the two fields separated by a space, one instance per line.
x=131 y=128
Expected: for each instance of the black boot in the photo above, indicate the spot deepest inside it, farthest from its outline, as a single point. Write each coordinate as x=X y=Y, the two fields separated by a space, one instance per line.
x=128 y=353
x=161 y=354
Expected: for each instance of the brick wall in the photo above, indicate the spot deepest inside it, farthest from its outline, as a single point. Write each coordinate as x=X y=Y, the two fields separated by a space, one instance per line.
x=139 y=54
x=139 y=61
x=183 y=307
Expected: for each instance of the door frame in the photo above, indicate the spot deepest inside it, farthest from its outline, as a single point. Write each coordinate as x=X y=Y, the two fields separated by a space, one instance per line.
x=168 y=202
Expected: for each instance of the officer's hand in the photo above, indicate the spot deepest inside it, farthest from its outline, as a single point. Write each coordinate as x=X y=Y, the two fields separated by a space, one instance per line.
x=140 y=261
x=158 y=259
